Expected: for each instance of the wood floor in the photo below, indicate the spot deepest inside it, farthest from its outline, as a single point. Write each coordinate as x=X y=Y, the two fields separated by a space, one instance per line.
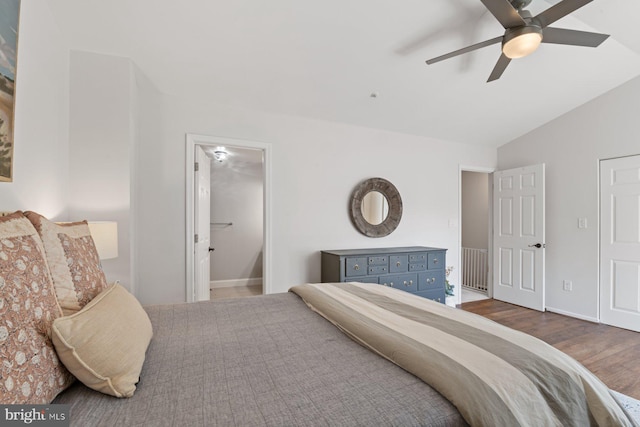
x=612 y=354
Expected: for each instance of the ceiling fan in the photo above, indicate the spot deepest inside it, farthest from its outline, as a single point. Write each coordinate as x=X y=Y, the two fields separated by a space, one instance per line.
x=524 y=32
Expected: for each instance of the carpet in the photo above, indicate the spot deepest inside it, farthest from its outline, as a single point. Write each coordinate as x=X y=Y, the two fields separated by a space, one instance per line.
x=631 y=405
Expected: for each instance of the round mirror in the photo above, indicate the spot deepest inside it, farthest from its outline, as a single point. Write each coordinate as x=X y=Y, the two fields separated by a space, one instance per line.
x=376 y=207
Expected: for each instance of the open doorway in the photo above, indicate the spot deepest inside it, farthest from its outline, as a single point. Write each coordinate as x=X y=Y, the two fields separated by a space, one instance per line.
x=475 y=234
x=236 y=221
x=237 y=228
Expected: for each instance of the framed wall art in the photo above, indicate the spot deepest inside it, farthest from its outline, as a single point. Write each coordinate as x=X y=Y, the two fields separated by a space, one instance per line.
x=9 y=14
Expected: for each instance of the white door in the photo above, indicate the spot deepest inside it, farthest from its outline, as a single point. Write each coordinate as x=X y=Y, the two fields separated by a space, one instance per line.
x=620 y=242
x=518 y=236
x=202 y=224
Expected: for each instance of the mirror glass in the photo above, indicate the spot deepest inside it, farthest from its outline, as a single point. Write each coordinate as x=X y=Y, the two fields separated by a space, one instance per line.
x=375 y=207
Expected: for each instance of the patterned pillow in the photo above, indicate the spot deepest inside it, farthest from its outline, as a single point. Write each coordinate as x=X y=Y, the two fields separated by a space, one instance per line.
x=73 y=261
x=30 y=371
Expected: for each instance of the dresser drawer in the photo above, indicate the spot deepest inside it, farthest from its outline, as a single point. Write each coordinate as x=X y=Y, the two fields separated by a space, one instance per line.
x=378 y=260
x=420 y=266
x=398 y=263
x=417 y=258
x=433 y=279
x=435 y=260
x=356 y=266
x=378 y=269
x=406 y=282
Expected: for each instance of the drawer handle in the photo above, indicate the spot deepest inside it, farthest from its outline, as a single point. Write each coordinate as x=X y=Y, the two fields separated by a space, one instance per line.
x=391 y=284
x=356 y=267
x=435 y=260
x=398 y=264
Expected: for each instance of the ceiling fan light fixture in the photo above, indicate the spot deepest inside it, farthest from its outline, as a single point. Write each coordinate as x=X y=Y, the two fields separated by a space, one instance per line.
x=522 y=41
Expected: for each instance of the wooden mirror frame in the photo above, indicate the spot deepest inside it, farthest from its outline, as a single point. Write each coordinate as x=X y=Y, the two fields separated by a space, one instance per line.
x=390 y=192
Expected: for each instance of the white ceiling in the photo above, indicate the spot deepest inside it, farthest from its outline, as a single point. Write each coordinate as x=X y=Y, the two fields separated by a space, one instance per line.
x=324 y=59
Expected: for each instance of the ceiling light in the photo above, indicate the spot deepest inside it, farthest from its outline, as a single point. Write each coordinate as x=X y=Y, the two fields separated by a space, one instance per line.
x=220 y=154
x=522 y=41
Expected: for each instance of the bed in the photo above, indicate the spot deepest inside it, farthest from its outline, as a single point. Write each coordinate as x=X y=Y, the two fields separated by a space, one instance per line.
x=336 y=354
x=321 y=355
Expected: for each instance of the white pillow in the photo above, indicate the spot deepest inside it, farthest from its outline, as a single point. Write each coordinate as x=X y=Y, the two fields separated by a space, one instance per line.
x=104 y=344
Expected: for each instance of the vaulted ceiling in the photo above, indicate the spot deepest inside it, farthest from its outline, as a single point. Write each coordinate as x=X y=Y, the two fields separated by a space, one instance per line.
x=361 y=62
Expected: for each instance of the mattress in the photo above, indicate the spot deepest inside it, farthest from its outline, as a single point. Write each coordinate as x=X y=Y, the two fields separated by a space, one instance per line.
x=265 y=360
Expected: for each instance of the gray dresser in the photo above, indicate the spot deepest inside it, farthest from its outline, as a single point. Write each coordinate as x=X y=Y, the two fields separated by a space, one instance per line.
x=415 y=269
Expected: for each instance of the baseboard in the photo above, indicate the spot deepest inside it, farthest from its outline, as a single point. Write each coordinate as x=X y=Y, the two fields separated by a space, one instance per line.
x=570 y=314
x=215 y=284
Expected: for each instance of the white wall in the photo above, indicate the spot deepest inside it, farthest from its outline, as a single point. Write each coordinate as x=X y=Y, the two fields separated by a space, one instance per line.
x=236 y=197
x=571 y=146
x=100 y=149
x=41 y=117
x=475 y=210
x=316 y=165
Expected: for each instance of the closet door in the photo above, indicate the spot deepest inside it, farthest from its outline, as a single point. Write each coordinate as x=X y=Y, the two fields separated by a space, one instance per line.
x=620 y=242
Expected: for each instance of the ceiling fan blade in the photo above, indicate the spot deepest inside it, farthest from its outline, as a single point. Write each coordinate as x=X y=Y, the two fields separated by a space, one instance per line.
x=506 y=14
x=572 y=37
x=465 y=50
x=501 y=65
x=559 y=10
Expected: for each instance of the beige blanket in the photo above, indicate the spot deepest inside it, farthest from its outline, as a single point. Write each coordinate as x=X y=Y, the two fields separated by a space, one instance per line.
x=494 y=375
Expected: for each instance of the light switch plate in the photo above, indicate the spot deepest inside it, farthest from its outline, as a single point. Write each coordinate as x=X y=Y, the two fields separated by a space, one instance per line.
x=582 y=222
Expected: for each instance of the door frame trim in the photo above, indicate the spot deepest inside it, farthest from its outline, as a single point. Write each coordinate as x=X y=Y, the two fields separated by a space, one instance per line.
x=197 y=139
x=490 y=171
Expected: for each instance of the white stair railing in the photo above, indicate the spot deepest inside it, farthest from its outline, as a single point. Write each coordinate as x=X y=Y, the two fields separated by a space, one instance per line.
x=475 y=269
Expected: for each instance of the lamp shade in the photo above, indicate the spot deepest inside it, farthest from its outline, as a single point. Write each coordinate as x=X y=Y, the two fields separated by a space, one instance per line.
x=105 y=237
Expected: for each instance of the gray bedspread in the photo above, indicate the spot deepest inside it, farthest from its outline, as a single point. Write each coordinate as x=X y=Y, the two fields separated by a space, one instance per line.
x=265 y=360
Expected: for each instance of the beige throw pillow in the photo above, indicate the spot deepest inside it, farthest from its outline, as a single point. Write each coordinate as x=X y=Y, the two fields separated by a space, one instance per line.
x=104 y=344
x=73 y=261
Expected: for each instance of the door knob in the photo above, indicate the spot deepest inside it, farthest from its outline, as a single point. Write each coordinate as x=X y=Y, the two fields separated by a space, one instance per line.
x=538 y=245
x=212 y=249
